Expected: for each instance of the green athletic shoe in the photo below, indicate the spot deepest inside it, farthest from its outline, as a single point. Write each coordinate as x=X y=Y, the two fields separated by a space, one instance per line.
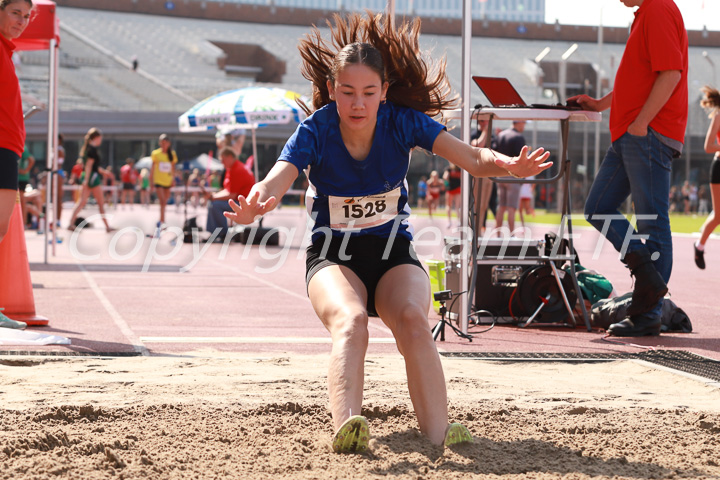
x=353 y=436
x=5 y=322
x=457 y=434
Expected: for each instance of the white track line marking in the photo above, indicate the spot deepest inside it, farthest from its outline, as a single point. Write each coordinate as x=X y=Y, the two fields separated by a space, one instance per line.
x=117 y=318
x=381 y=328
x=264 y=282
x=283 y=340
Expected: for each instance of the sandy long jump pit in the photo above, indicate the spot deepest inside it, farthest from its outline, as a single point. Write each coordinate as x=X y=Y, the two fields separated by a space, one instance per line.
x=211 y=416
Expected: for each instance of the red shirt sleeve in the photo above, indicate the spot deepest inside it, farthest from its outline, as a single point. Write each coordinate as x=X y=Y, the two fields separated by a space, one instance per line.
x=664 y=40
x=238 y=180
x=12 y=126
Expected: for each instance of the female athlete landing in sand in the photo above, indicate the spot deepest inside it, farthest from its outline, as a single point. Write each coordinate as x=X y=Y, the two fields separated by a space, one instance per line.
x=374 y=97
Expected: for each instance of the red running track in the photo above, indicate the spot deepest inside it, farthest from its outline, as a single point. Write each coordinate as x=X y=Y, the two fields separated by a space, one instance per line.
x=109 y=294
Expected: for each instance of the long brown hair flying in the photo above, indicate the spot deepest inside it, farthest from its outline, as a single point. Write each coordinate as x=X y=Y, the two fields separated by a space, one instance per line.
x=414 y=81
x=710 y=100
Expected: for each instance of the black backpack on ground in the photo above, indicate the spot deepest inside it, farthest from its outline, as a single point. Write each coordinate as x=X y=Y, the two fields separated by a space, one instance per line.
x=612 y=310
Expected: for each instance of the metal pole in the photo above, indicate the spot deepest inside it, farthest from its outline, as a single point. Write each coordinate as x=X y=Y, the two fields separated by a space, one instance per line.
x=535 y=123
x=562 y=80
x=538 y=86
x=256 y=161
x=562 y=94
x=55 y=140
x=598 y=94
x=256 y=167
x=707 y=57
x=465 y=183
x=51 y=156
x=585 y=143
x=563 y=71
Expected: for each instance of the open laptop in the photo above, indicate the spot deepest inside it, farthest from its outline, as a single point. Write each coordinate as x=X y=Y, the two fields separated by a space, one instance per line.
x=501 y=94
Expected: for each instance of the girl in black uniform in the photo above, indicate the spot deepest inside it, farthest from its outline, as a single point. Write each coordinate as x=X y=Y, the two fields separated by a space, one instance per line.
x=711 y=102
x=92 y=178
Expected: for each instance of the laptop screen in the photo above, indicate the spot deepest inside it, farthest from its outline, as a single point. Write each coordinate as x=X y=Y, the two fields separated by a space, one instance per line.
x=499 y=91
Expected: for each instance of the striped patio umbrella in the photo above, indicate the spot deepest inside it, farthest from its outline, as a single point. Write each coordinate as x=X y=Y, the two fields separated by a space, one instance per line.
x=250 y=107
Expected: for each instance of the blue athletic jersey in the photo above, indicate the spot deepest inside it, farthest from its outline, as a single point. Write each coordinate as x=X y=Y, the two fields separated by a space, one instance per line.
x=358 y=190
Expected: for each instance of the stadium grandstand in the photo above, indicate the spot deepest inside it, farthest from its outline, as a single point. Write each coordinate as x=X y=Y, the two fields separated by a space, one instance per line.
x=497 y=10
x=183 y=57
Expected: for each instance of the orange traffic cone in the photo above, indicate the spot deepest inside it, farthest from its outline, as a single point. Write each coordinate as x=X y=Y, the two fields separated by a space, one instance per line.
x=16 y=295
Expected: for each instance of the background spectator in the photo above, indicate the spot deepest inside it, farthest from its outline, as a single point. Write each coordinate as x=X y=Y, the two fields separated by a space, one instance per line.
x=510 y=142
x=129 y=179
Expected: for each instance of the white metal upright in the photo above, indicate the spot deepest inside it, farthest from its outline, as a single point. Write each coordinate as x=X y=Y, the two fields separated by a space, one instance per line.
x=51 y=163
x=465 y=183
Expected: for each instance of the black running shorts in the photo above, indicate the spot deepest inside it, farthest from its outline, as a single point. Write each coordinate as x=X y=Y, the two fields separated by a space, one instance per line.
x=8 y=169
x=715 y=171
x=364 y=256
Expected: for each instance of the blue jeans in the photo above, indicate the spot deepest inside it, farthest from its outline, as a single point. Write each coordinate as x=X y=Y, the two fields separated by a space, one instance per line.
x=215 y=218
x=640 y=167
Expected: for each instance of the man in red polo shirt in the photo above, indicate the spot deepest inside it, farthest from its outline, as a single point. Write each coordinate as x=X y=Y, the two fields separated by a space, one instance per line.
x=648 y=114
x=238 y=181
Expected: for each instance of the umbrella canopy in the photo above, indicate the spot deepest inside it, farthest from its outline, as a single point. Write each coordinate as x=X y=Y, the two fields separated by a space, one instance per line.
x=250 y=107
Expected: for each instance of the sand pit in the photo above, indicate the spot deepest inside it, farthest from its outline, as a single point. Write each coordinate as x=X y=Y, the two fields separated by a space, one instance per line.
x=206 y=416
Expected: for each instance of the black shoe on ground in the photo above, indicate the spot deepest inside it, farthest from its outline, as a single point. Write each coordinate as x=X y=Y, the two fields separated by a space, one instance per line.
x=636 y=326
x=649 y=285
x=699 y=258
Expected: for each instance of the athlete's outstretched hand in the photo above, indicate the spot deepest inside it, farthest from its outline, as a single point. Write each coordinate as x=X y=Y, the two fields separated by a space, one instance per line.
x=526 y=164
x=247 y=210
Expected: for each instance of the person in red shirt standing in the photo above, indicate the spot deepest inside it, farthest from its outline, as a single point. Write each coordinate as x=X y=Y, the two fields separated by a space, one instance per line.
x=453 y=180
x=75 y=172
x=129 y=178
x=14 y=17
x=648 y=115
x=238 y=181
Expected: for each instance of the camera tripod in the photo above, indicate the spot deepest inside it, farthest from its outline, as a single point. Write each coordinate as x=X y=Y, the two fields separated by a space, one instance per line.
x=439 y=328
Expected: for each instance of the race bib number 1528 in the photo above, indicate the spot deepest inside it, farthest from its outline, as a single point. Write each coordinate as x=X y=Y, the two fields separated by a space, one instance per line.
x=355 y=213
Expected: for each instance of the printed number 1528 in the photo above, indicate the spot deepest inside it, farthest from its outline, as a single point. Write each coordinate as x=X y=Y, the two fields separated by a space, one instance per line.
x=370 y=209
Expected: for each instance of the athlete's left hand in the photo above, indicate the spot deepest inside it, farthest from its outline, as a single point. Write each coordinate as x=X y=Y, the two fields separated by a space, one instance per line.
x=526 y=164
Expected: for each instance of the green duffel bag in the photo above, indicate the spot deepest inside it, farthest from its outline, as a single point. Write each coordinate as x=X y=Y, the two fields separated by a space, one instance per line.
x=593 y=285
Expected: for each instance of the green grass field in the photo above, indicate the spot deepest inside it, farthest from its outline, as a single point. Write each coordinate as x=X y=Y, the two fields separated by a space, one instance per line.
x=679 y=223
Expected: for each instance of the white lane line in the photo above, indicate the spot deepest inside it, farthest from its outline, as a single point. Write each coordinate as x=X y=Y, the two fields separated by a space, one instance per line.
x=282 y=340
x=381 y=328
x=117 y=318
x=264 y=282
